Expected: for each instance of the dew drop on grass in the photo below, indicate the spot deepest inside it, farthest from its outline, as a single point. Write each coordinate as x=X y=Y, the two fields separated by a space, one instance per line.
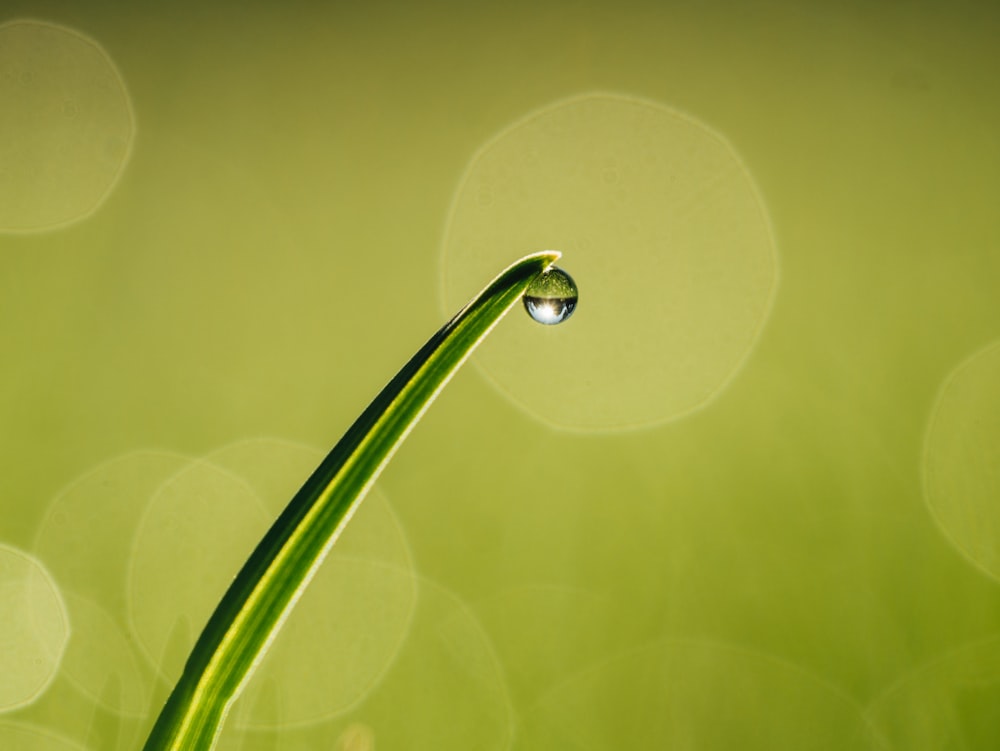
x=552 y=297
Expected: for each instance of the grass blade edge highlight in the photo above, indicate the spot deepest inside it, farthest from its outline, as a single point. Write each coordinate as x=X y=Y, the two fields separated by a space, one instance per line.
x=261 y=596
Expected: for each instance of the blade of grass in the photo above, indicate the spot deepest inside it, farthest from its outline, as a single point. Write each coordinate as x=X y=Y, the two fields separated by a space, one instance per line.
x=263 y=593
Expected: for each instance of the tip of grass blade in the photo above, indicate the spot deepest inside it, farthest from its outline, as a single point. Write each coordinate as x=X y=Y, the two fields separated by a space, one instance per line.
x=550 y=255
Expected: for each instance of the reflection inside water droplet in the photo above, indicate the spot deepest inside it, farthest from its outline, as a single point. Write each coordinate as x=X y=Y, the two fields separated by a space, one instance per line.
x=552 y=297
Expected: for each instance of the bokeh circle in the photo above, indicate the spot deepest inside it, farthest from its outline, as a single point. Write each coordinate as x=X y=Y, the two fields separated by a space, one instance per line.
x=663 y=230
x=962 y=459
x=704 y=695
x=21 y=736
x=67 y=127
x=948 y=702
x=345 y=630
x=34 y=628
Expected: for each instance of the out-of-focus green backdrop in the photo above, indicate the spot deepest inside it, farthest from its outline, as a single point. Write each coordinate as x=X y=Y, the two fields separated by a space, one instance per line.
x=223 y=226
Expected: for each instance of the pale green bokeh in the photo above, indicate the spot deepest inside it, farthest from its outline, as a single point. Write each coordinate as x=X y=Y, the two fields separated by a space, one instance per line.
x=192 y=538
x=24 y=737
x=85 y=536
x=277 y=468
x=273 y=253
x=962 y=459
x=951 y=702
x=447 y=683
x=100 y=656
x=697 y=695
x=662 y=229
x=356 y=737
x=543 y=634
x=34 y=628
x=68 y=125
x=200 y=526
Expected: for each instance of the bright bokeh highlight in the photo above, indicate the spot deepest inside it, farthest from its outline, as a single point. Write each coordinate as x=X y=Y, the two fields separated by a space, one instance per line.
x=663 y=230
x=67 y=128
x=34 y=628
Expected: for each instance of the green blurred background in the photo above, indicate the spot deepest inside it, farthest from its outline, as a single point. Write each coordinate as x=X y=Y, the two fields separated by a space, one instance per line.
x=226 y=226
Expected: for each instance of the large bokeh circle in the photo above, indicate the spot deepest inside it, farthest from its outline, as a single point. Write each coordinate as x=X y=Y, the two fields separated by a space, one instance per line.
x=663 y=230
x=67 y=126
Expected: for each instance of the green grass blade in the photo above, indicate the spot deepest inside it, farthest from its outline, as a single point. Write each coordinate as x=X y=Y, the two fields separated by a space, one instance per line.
x=278 y=570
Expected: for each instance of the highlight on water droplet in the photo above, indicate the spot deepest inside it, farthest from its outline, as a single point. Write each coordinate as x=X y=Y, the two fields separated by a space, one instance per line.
x=552 y=297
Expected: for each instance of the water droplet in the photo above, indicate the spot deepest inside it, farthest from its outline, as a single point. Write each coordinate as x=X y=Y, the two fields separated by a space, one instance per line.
x=552 y=297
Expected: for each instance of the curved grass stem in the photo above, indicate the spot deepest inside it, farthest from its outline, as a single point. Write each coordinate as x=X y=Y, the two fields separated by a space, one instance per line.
x=263 y=593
